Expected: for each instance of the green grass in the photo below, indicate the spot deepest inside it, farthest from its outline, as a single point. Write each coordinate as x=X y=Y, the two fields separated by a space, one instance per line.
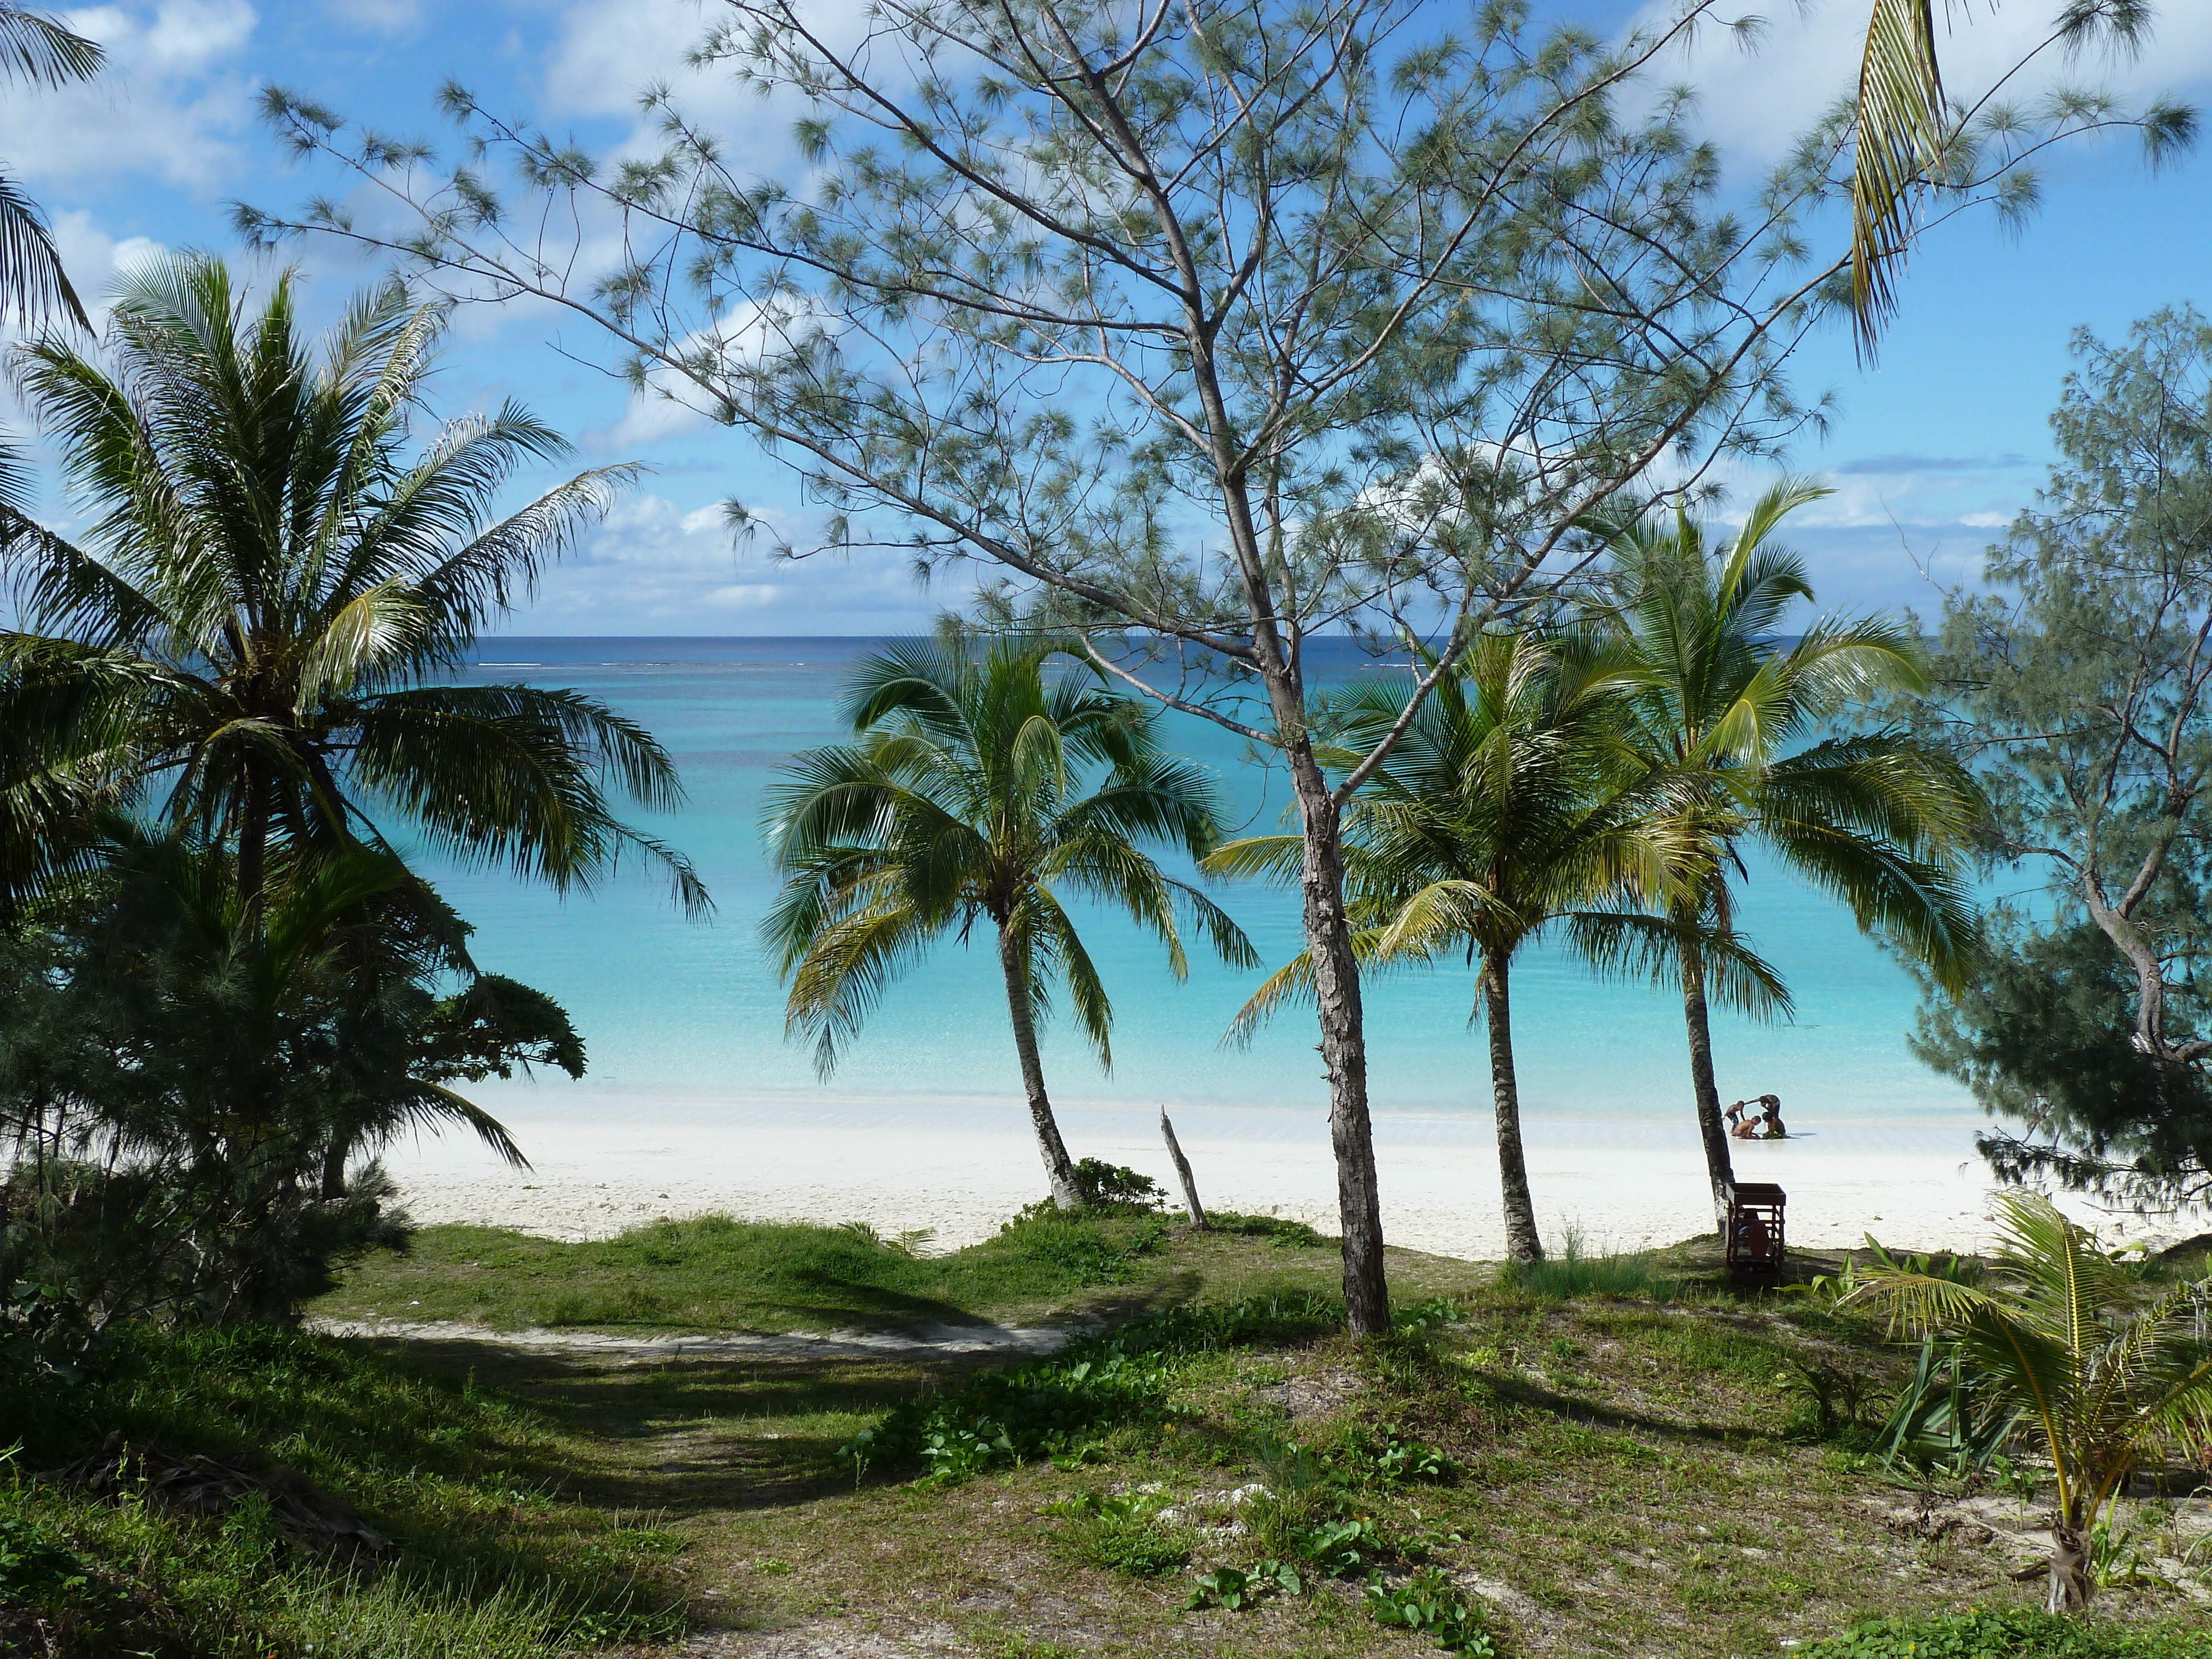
x=1569 y=1273
x=1555 y=1475
x=492 y=1559
x=2016 y=1634
x=714 y=1274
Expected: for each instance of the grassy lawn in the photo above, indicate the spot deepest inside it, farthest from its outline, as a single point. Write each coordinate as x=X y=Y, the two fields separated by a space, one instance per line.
x=489 y=1551
x=713 y=1275
x=1523 y=1469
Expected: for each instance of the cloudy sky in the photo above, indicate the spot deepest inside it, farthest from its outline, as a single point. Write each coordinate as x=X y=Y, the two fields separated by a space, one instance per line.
x=1932 y=451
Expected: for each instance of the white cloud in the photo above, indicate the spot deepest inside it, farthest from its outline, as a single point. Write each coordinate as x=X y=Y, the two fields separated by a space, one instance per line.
x=1756 y=102
x=656 y=566
x=173 y=101
x=188 y=35
x=607 y=55
x=93 y=257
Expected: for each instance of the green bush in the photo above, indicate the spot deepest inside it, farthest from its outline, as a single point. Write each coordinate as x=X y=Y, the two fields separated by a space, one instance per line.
x=1116 y=1185
x=2007 y=1633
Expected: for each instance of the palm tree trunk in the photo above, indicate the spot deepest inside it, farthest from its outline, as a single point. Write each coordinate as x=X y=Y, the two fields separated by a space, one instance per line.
x=1522 y=1244
x=2070 y=1583
x=252 y=847
x=1059 y=1171
x=1720 y=1169
x=1343 y=1046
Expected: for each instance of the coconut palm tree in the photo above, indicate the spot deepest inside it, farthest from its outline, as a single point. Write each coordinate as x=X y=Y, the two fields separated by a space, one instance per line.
x=2102 y=1369
x=34 y=288
x=981 y=790
x=1723 y=703
x=1512 y=807
x=37 y=48
x=253 y=631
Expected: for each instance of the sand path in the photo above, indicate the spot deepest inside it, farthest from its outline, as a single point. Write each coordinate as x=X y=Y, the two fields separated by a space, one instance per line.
x=936 y=1341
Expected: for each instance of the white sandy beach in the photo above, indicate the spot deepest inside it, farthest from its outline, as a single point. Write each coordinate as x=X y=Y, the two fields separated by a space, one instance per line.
x=603 y=1160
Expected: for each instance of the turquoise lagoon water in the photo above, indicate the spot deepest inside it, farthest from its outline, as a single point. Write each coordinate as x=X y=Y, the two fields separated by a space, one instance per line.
x=689 y=1016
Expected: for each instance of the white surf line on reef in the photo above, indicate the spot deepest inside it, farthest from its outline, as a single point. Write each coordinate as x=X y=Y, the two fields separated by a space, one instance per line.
x=794 y=1344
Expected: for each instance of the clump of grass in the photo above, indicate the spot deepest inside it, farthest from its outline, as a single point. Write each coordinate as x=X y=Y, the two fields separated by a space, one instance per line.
x=2008 y=1633
x=1124 y=1534
x=1571 y=1274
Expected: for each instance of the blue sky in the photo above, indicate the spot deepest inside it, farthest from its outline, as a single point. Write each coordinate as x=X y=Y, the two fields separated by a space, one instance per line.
x=1933 y=450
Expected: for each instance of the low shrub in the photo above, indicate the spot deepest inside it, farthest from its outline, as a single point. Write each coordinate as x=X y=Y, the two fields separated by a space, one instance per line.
x=1116 y=1185
x=1291 y=1235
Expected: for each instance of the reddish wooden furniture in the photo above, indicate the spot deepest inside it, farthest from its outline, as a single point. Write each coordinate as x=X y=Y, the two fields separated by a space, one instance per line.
x=1756 y=1234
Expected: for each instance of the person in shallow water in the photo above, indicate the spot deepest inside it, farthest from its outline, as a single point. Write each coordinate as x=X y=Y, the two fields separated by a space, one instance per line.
x=1742 y=1126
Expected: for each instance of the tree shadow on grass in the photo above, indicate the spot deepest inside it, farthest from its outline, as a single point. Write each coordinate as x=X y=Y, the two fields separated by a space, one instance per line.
x=689 y=1433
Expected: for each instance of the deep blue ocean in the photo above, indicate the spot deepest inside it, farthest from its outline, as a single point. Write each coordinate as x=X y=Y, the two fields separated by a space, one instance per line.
x=683 y=1009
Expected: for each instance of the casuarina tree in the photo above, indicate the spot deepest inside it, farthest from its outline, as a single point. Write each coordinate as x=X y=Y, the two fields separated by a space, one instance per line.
x=1204 y=329
x=2075 y=680
x=984 y=790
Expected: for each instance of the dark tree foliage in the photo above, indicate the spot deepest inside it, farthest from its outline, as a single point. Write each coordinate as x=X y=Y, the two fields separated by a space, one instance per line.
x=2077 y=686
x=182 y=1088
x=2042 y=1036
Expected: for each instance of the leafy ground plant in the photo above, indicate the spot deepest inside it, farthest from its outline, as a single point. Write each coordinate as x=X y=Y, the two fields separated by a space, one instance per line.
x=1431 y=1603
x=1051 y=1408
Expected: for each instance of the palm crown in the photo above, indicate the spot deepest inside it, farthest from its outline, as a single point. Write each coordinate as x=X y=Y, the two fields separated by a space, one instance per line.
x=1736 y=714
x=272 y=582
x=1513 y=804
x=2098 y=1366
x=981 y=789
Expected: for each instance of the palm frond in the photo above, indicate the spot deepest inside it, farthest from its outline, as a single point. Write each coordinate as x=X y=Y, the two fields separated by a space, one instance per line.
x=34 y=284
x=1902 y=125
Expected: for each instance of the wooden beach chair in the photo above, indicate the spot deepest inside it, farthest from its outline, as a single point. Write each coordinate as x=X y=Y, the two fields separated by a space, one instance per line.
x=1756 y=1234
